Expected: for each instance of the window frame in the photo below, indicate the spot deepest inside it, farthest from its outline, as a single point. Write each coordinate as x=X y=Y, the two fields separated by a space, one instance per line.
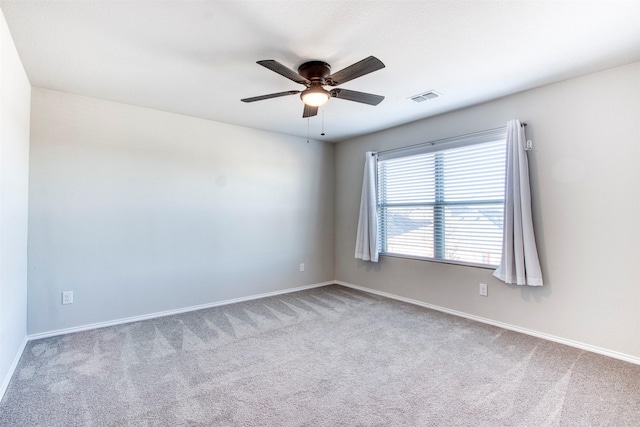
x=439 y=204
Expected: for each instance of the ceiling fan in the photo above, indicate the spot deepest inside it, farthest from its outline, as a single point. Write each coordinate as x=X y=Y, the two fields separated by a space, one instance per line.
x=316 y=74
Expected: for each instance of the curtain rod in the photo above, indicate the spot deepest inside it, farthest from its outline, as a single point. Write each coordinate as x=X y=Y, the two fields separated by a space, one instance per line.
x=437 y=141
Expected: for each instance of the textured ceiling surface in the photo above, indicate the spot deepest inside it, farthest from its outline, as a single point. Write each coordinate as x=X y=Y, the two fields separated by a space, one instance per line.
x=198 y=58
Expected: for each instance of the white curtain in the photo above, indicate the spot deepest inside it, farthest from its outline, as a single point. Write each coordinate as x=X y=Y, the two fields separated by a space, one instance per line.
x=519 y=264
x=367 y=237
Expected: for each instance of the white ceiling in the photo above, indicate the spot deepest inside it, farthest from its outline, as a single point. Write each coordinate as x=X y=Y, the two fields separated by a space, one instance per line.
x=198 y=57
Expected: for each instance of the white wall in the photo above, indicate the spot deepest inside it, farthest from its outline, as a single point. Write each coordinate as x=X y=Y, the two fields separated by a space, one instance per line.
x=139 y=211
x=586 y=199
x=14 y=174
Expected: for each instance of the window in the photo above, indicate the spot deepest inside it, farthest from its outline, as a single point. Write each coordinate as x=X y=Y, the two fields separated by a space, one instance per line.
x=444 y=200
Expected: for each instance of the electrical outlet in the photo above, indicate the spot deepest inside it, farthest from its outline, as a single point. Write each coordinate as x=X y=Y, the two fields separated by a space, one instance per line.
x=302 y=267
x=484 y=291
x=67 y=297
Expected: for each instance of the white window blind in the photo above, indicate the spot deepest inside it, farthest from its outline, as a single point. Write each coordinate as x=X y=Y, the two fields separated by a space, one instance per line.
x=444 y=201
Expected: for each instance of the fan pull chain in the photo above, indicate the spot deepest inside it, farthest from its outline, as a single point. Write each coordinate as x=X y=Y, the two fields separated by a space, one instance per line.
x=322 y=134
x=307 y=130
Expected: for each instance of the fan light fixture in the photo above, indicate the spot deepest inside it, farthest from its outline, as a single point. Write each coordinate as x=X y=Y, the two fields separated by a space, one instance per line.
x=315 y=96
x=314 y=75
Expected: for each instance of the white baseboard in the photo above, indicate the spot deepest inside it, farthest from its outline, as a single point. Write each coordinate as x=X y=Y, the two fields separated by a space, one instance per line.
x=170 y=312
x=12 y=368
x=571 y=343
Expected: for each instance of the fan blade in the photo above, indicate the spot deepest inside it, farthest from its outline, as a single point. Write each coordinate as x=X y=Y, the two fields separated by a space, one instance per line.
x=359 y=69
x=283 y=71
x=352 y=95
x=271 y=95
x=309 y=111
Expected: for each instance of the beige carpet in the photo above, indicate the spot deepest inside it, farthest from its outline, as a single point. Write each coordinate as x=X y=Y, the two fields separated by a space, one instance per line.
x=330 y=356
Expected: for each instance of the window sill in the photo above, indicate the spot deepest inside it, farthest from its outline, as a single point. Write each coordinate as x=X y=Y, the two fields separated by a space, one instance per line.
x=439 y=261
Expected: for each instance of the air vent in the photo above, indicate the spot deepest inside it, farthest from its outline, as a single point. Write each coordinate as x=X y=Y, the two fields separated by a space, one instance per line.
x=421 y=97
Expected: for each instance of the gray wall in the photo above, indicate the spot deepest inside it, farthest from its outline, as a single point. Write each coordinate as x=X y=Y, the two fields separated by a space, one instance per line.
x=14 y=174
x=586 y=199
x=139 y=211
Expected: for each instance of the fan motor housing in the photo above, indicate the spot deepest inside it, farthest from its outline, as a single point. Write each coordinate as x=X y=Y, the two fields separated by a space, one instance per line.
x=315 y=70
